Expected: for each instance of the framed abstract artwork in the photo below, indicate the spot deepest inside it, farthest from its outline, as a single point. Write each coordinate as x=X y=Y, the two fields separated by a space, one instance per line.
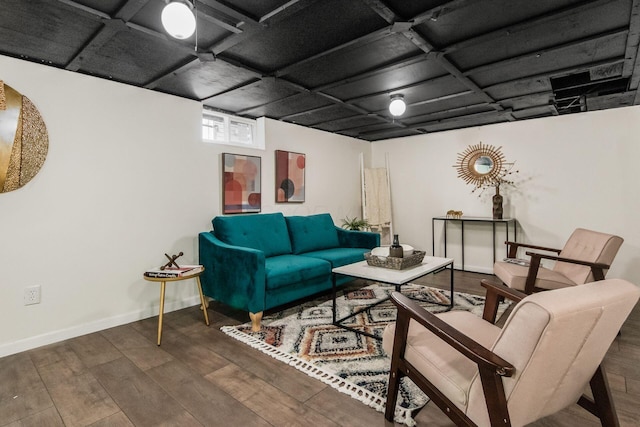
x=290 y=169
x=241 y=191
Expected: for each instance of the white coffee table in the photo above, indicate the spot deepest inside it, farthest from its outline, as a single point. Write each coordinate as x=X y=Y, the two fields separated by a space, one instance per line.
x=362 y=270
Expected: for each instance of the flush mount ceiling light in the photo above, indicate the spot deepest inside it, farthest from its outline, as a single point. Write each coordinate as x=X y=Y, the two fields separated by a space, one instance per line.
x=178 y=19
x=397 y=107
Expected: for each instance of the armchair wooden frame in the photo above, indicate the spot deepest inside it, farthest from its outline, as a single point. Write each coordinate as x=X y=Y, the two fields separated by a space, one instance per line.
x=490 y=366
x=597 y=269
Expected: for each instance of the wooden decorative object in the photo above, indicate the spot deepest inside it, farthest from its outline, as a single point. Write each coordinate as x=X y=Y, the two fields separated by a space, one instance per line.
x=172 y=261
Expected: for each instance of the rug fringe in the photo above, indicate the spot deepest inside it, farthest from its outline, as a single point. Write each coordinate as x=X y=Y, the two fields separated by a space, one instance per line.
x=401 y=415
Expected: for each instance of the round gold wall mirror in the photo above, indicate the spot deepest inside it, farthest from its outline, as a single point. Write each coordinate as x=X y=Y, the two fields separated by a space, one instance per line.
x=482 y=165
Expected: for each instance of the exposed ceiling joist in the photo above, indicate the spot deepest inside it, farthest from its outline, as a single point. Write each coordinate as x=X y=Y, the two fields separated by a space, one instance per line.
x=106 y=33
x=88 y=10
x=538 y=53
x=633 y=44
x=524 y=25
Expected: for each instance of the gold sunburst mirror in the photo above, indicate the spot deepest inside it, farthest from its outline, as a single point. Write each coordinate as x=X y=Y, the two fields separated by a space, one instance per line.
x=482 y=165
x=24 y=141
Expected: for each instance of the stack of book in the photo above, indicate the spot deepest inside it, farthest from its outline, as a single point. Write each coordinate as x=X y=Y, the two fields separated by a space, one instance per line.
x=518 y=261
x=168 y=272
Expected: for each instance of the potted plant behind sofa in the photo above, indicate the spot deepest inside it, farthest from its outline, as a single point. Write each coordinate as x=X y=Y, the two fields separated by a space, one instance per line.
x=355 y=224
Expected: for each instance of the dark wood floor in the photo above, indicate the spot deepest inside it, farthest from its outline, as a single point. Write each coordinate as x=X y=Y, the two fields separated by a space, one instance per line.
x=200 y=376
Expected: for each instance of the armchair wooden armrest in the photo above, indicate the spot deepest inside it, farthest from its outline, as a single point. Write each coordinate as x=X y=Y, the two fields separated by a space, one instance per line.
x=496 y=293
x=596 y=268
x=571 y=260
x=408 y=309
x=513 y=248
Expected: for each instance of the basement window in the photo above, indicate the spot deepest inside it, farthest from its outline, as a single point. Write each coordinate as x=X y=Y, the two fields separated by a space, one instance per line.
x=220 y=128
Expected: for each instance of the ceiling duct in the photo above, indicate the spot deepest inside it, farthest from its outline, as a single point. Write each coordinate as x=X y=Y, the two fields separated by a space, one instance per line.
x=586 y=91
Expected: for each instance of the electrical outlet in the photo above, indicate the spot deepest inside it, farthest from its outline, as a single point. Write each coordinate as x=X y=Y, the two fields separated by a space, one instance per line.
x=32 y=295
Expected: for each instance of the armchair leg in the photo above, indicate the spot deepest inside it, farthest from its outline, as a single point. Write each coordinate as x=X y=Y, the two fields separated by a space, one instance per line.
x=256 y=319
x=392 y=393
x=495 y=398
x=602 y=404
x=396 y=372
x=491 y=303
x=532 y=275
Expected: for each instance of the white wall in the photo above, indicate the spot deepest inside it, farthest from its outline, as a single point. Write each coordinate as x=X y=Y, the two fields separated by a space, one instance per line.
x=575 y=171
x=127 y=179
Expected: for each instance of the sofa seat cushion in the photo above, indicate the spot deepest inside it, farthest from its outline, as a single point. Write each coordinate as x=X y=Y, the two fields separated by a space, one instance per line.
x=339 y=256
x=285 y=270
x=312 y=233
x=264 y=232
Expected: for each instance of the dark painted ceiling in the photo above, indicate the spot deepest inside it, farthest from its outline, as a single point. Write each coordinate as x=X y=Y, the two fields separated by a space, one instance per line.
x=333 y=64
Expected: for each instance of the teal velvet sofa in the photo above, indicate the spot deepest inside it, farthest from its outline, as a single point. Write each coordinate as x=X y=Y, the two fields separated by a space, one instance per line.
x=261 y=261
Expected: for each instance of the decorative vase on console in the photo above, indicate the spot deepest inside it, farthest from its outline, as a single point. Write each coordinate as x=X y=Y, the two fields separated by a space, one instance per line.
x=395 y=250
x=497 y=204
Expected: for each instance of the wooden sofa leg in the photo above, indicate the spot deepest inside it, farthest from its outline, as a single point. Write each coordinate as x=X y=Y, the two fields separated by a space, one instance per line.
x=256 y=319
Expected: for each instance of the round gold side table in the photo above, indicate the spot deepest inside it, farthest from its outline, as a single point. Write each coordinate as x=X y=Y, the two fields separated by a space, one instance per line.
x=163 y=283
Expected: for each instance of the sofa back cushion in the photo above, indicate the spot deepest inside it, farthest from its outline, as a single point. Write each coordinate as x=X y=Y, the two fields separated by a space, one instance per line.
x=265 y=232
x=312 y=233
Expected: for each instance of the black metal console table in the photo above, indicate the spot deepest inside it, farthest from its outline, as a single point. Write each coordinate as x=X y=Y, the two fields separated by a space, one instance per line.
x=462 y=220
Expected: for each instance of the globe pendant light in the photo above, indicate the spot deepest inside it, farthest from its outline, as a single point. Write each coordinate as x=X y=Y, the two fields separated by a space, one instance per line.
x=397 y=107
x=178 y=19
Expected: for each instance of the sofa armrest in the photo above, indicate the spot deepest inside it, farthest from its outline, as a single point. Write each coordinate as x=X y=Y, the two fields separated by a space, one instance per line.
x=357 y=239
x=233 y=275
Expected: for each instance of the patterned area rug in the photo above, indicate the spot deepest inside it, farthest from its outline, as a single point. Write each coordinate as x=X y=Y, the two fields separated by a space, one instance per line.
x=304 y=337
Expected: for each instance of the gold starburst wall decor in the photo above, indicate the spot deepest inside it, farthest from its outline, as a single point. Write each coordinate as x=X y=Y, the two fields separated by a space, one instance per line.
x=484 y=166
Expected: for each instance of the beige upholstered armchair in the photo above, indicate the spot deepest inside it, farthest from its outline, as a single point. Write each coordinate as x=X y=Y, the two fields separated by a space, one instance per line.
x=549 y=349
x=586 y=257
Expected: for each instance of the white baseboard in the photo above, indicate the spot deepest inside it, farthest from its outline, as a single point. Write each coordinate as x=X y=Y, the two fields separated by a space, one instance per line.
x=476 y=269
x=95 y=326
